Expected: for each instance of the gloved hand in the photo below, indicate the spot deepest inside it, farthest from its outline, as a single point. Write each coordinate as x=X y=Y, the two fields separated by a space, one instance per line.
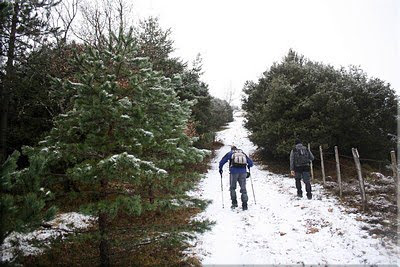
x=247 y=174
x=220 y=171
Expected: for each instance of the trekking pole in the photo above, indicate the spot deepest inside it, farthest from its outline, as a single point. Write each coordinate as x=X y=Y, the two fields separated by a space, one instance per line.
x=252 y=188
x=222 y=192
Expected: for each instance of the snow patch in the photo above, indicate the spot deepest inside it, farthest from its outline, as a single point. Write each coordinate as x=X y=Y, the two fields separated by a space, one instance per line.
x=147 y=133
x=28 y=243
x=125 y=102
x=106 y=94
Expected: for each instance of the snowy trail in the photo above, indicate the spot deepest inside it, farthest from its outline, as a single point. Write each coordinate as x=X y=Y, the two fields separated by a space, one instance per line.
x=279 y=229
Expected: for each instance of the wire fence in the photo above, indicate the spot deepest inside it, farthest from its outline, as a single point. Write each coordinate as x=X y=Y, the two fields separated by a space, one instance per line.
x=348 y=166
x=361 y=159
x=354 y=169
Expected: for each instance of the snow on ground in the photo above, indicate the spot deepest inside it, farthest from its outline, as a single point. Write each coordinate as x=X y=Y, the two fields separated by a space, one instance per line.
x=279 y=228
x=34 y=243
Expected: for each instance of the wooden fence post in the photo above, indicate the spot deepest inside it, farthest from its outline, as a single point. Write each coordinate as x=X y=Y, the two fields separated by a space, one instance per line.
x=395 y=169
x=339 y=177
x=322 y=164
x=394 y=165
x=311 y=165
x=356 y=157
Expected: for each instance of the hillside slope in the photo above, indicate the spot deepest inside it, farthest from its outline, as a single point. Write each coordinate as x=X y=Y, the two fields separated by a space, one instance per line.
x=280 y=228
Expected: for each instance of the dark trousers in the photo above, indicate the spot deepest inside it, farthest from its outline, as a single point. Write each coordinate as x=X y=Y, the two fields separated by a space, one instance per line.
x=234 y=179
x=305 y=176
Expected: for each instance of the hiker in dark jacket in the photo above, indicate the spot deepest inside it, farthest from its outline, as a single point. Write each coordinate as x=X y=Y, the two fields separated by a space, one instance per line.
x=300 y=158
x=238 y=173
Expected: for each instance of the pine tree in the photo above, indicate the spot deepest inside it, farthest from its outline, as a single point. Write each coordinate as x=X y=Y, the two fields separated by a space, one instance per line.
x=194 y=89
x=34 y=103
x=123 y=135
x=23 y=199
x=24 y=24
x=155 y=43
x=222 y=111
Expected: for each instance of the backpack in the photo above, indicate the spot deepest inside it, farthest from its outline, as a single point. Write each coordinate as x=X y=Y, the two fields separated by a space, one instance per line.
x=301 y=157
x=238 y=158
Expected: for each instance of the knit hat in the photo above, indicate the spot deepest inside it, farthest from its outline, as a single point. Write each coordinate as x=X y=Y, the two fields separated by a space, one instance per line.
x=297 y=141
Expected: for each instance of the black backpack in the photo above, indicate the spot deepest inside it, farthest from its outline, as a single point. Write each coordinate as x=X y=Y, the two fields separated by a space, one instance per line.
x=301 y=157
x=238 y=159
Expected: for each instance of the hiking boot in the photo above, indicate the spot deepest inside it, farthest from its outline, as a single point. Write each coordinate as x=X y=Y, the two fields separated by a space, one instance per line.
x=244 y=206
x=234 y=204
x=299 y=195
x=309 y=196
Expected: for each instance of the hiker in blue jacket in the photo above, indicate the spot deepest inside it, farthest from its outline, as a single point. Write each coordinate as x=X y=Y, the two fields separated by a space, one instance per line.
x=238 y=161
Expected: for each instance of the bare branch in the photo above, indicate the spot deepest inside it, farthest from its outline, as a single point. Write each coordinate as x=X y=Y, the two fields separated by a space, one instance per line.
x=101 y=18
x=67 y=13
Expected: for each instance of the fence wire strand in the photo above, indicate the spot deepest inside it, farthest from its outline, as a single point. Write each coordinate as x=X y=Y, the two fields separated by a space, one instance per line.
x=361 y=159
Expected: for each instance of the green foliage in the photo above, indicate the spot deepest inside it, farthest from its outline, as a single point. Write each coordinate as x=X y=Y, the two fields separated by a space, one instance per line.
x=222 y=111
x=115 y=122
x=194 y=89
x=24 y=26
x=5 y=12
x=155 y=43
x=125 y=128
x=32 y=26
x=23 y=199
x=320 y=105
x=35 y=102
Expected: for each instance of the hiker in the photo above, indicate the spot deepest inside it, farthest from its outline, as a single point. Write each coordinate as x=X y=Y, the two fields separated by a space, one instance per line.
x=238 y=161
x=300 y=158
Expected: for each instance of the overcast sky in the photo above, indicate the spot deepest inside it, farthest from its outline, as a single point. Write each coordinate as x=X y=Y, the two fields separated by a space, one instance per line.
x=238 y=40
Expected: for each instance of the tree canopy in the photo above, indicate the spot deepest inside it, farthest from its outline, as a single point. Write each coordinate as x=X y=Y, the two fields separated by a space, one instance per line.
x=321 y=105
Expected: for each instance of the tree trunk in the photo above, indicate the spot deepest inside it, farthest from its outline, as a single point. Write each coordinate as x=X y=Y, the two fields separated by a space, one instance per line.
x=151 y=194
x=104 y=244
x=8 y=84
x=103 y=228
